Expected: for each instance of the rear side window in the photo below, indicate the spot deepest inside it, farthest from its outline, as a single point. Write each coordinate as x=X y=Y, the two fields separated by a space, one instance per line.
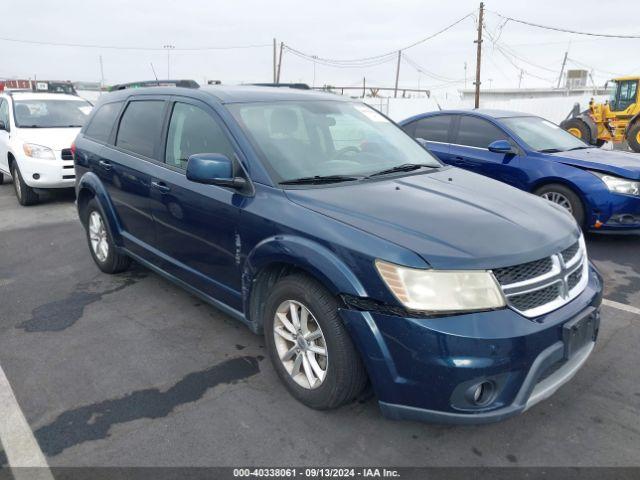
x=4 y=112
x=102 y=122
x=433 y=129
x=476 y=132
x=191 y=131
x=140 y=127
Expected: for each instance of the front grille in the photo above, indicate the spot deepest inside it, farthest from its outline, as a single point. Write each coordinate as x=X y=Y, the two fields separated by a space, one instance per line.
x=66 y=154
x=525 y=271
x=535 y=299
x=569 y=253
x=541 y=286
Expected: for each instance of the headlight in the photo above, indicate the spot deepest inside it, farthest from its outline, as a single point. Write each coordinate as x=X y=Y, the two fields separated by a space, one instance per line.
x=620 y=185
x=38 y=151
x=442 y=290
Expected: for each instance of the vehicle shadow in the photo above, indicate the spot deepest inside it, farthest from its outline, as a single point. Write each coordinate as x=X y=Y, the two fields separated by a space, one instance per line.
x=53 y=195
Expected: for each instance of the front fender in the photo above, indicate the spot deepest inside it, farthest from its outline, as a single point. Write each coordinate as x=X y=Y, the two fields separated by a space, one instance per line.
x=91 y=182
x=310 y=256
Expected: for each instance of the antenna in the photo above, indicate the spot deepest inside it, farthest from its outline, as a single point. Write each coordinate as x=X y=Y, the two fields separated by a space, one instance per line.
x=153 y=70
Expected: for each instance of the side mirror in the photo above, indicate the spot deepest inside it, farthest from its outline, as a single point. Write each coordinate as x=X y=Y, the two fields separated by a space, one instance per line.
x=3 y=126
x=213 y=169
x=500 y=146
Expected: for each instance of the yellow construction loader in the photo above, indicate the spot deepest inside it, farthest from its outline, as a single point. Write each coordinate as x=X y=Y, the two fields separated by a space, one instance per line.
x=617 y=120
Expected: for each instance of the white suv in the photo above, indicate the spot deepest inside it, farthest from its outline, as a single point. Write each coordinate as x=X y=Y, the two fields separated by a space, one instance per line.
x=36 y=134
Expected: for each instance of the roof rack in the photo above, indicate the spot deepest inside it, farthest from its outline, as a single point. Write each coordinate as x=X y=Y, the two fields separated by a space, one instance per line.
x=299 y=86
x=156 y=83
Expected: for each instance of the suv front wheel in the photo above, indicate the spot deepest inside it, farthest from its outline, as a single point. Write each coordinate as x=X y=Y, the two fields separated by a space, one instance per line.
x=309 y=346
x=24 y=193
x=101 y=244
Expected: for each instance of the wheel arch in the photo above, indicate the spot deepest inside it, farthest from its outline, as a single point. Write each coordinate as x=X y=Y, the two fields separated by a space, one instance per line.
x=279 y=256
x=90 y=186
x=543 y=182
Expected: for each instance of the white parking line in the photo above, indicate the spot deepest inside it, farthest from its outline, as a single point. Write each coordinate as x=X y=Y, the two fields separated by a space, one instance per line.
x=17 y=439
x=621 y=306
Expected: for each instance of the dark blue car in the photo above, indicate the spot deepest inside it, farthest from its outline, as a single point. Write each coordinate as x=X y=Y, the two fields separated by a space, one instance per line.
x=359 y=256
x=600 y=188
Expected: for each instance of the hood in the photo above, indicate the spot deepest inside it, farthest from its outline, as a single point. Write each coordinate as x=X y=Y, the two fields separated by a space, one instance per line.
x=452 y=218
x=623 y=164
x=54 y=138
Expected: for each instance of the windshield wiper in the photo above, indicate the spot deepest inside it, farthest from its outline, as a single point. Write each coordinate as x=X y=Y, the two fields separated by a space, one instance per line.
x=550 y=150
x=318 y=179
x=578 y=148
x=405 y=167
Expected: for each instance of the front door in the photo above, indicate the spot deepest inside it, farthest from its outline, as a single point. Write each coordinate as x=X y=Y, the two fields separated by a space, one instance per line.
x=197 y=225
x=469 y=150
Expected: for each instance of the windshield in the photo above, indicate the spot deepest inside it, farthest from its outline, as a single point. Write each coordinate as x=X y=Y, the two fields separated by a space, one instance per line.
x=326 y=138
x=542 y=135
x=612 y=89
x=51 y=113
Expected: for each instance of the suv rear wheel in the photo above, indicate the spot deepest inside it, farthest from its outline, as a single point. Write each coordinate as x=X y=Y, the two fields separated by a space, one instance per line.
x=309 y=346
x=100 y=241
x=24 y=193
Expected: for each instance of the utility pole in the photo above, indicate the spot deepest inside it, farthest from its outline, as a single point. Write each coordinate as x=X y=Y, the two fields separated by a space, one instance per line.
x=279 y=63
x=564 y=62
x=274 y=60
x=479 y=55
x=168 y=48
x=313 y=83
x=364 y=86
x=520 y=81
x=101 y=74
x=395 y=90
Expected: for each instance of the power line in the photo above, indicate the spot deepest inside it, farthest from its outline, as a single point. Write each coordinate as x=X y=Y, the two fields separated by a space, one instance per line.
x=123 y=47
x=392 y=54
x=564 y=30
x=424 y=71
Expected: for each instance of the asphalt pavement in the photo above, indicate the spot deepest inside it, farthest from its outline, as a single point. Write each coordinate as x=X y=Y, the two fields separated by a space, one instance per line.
x=130 y=370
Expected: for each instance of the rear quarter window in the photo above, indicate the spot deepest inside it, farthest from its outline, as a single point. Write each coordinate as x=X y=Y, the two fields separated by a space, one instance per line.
x=103 y=121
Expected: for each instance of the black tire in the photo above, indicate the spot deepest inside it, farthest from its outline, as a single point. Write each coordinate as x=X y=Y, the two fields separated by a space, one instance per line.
x=633 y=137
x=114 y=262
x=346 y=376
x=1 y=178
x=24 y=193
x=578 y=125
x=577 y=208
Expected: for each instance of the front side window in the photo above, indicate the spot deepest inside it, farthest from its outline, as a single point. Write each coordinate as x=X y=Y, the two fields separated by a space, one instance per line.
x=191 y=131
x=102 y=121
x=542 y=135
x=477 y=132
x=51 y=113
x=433 y=129
x=326 y=137
x=140 y=127
x=4 y=112
x=627 y=92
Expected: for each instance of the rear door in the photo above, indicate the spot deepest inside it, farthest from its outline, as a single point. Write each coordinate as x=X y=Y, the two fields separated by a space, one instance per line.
x=127 y=167
x=469 y=149
x=436 y=131
x=197 y=225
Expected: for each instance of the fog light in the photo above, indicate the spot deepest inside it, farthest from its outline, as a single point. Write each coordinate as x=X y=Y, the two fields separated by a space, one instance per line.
x=481 y=393
x=36 y=176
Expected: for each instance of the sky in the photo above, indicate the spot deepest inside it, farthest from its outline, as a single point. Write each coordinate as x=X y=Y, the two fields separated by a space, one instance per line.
x=340 y=30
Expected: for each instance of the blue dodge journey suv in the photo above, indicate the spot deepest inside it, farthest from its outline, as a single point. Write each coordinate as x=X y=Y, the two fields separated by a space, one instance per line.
x=600 y=188
x=319 y=223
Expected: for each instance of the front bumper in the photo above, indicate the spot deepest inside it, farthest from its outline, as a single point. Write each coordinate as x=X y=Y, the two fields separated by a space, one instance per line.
x=40 y=173
x=617 y=214
x=421 y=367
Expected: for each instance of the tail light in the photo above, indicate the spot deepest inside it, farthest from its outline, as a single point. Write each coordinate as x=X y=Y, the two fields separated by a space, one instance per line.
x=73 y=151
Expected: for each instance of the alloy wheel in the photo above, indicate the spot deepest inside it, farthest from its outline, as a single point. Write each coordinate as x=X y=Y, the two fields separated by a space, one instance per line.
x=98 y=236
x=558 y=198
x=300 y=344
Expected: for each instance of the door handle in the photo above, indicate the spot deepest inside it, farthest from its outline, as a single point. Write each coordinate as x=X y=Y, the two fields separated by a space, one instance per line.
x=161 y=186
x=104 y=164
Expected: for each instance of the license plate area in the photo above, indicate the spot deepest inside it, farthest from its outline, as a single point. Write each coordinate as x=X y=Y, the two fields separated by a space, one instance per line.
x=578 y=332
